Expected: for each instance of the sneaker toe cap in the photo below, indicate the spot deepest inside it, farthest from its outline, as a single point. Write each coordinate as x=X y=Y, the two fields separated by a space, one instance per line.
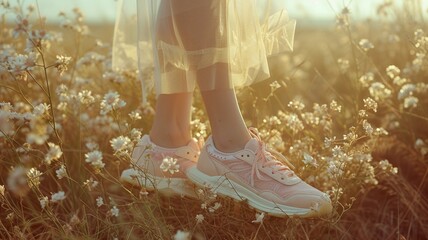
x=317 y=202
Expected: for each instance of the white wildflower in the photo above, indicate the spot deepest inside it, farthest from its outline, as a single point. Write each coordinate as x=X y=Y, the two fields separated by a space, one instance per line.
x=336 y=193
x=85 y=97
x=333 y=169
x=272 y=121
x=385 y=165
x=335 y=107
x=62 y=106
x=182 y=235
x=61 y=172
x=44 y=201
x=380 y=132
x=120 y=143
x=54 y=153
x=422 y=146
x=95 y=158
x=320 y=110
x=17 y=181
x=275 y=140
x=399 y=80
x=41 y=109
x=328 y=141
x=216 y=206
x=90 y=145
x=406 y=91
x=378 y=91
x=59 y=196
x=411 y=102
x=169 y=164
x=199 y=218
x=114 y=211
x=62 y=63
x=310 y=118
x=365 y=44
x=363 y=157
x=91 y=183
x=337 y=150
x=33 y=177
x=294 y=123
x=22 y=62
x=308 y=159
x=350 y=137
x=259 y=218
x=143 y=193
x=62 y=92
x=392 y=71
x=135 y=134
x=296 y=105
x=418 y=62
x=362 y=113
x=367 y=79
x=367 y=127
x=369 y=103
x=342 y=19
x=110 y=102
x=135 y=115
x=22 y=24
x=100 y=201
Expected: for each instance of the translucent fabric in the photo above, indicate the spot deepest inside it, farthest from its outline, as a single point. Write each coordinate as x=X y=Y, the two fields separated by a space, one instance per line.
x=213 y=43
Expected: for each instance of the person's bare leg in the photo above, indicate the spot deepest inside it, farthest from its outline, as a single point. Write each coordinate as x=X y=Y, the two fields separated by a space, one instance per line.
x=228 y=128
x=197 y=31
x=171 y=125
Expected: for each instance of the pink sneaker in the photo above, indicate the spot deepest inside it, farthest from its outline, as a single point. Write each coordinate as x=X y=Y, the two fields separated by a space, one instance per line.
x=154 y=167
x=255 y=175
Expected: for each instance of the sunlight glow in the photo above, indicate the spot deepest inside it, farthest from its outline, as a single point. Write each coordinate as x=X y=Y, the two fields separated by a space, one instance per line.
x=102 y=11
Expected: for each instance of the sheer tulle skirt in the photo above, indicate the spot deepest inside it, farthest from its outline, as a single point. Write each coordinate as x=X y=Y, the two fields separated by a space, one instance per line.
x=213 y=43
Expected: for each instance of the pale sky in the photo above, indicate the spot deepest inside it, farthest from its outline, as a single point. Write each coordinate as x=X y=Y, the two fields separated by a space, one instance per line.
x=104 y=10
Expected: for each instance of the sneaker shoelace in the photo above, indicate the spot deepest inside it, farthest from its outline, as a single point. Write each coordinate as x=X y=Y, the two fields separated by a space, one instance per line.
x=268 y=157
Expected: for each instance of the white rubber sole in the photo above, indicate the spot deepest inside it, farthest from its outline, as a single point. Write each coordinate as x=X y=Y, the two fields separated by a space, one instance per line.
x=166 y=186
x=229 y=188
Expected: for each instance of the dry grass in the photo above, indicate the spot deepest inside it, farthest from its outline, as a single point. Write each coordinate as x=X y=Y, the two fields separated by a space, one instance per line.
x=348 y=145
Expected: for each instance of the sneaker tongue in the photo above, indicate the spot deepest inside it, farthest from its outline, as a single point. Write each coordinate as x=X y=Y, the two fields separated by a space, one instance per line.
x=252 y=145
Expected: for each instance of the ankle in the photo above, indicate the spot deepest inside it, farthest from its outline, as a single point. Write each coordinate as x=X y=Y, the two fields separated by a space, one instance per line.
x=170 y=139
x=229 y=145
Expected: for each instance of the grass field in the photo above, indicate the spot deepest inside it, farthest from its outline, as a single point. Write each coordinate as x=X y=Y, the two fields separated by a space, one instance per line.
x=348 y=106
